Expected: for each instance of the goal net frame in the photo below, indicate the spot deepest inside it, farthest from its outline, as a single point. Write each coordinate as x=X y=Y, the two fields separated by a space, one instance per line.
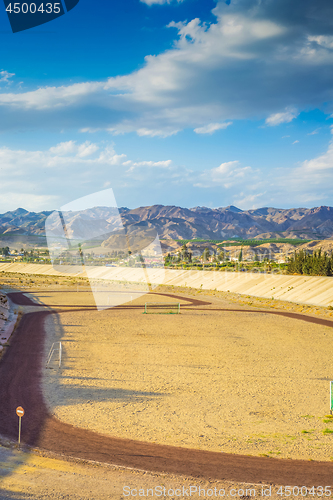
x=162 y=308
x=56 y=346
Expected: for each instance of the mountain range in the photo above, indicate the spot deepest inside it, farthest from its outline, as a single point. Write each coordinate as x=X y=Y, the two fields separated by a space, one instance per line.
x=172 y=222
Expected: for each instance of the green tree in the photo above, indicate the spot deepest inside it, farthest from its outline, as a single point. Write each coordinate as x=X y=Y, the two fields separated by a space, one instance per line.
x=221 y=256
x=206 y=254
x=185 y=253
x=81 y=255
x=240 y=256
x=317 y=264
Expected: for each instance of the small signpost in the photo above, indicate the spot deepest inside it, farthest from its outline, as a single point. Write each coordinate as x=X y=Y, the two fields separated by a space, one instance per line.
x=20 y=414
x=331 y=397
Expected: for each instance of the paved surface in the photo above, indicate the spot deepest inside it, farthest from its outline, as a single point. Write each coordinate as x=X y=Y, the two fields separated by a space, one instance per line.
x=21 y=377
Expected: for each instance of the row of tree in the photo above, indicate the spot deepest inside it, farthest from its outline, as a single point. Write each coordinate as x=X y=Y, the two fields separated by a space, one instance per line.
x=185 y=255
x=4 y=251
x=317 y=264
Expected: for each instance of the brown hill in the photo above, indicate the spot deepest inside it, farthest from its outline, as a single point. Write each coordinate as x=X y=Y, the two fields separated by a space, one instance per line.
x=172 y=222
x=222 y=223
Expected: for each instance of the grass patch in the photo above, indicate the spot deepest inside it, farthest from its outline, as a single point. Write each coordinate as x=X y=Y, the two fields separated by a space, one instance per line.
x=328 y=431
x=288 y=436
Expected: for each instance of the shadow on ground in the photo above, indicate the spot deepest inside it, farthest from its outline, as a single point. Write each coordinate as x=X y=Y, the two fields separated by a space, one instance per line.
x=11 y=460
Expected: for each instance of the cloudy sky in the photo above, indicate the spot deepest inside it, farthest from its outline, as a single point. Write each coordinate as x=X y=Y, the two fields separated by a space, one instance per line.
x=193 y=102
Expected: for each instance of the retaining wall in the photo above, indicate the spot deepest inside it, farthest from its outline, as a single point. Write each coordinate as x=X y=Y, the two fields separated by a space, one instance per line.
x=314 y=290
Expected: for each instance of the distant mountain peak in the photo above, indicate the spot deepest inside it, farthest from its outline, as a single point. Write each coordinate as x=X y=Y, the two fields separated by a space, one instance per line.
x=18 y=211
x=174 y=222
x=232 y=208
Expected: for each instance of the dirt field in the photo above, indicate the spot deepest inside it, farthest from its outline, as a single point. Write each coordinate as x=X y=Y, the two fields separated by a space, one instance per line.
x=220 y=376
x=226 y=381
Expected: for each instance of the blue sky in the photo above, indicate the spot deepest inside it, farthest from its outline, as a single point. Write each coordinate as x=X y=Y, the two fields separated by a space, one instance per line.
x=193 y=102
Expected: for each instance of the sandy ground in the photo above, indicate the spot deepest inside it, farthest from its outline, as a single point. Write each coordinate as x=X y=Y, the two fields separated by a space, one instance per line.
x=217 y=380
x=28 y=476
x=238 y=382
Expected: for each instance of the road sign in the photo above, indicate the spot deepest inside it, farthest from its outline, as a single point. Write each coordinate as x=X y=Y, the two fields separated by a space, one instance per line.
x=19 y=411
x=20 y=414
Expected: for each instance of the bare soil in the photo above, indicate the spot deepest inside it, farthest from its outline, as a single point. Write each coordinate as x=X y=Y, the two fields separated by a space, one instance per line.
x=212 y=378
x=193 y=382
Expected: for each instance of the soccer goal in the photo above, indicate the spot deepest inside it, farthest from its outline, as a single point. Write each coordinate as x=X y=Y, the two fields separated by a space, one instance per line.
x=56 y=346
x=162 y=308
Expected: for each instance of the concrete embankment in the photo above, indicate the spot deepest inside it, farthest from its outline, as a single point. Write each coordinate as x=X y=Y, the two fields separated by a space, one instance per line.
x=8 y=318
x=314 y=290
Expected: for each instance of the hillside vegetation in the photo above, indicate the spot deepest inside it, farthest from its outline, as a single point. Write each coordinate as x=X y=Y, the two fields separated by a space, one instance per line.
x=317 y=264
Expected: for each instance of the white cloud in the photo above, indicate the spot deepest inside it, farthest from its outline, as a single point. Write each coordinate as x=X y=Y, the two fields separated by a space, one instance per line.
x=322 y=40
x=64 y=148
x=70 y=147
x=283 y=117
x=144 y=132
x=320 y=165
x=308 y=184
x=159 y=164
x=87 y=149
x=225 y=168
x=314 y=132
x=249 y=201
x=249 y=64
x=227 y=175
x=70 y=169
x=5 y=76
x=295 y=142
x=51 y=97
x=10 y=200
x=211 y=128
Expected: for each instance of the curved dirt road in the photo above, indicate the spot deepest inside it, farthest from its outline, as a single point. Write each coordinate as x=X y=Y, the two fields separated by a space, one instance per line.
x=20 y=384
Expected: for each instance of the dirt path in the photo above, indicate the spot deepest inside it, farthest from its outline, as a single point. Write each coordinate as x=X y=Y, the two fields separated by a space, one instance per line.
x=31 y=476
x=20 y=376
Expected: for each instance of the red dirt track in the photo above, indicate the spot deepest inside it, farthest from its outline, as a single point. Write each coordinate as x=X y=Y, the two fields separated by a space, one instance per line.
x=20 y=384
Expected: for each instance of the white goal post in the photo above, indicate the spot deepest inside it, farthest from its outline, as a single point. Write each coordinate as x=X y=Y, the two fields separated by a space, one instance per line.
x=162 y=308
x=56 y=346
